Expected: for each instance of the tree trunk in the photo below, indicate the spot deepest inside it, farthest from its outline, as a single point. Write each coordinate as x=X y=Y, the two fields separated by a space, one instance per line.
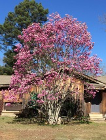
x=53 y=115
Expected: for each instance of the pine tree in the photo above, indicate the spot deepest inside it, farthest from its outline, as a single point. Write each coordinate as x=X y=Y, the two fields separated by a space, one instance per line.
x=24 y=14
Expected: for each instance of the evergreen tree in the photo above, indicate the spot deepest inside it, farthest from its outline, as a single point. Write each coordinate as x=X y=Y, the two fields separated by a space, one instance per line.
x=24 y=14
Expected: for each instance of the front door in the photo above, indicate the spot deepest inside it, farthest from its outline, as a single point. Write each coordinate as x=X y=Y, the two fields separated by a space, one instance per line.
x=95 y=103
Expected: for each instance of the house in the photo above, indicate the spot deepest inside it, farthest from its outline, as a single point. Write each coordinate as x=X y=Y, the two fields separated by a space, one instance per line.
x=7 y=109
x=95 y=107
x=4 y=84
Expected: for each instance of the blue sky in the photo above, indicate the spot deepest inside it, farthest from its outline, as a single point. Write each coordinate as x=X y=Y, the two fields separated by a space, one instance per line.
x=87 y=11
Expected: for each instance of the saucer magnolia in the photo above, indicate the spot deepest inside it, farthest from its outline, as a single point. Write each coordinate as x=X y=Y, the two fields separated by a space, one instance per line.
x=48 y=50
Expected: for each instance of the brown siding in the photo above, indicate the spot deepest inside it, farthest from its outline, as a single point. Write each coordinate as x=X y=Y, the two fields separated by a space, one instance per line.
x=103 y=104
x=87 y=108
x=7 y=97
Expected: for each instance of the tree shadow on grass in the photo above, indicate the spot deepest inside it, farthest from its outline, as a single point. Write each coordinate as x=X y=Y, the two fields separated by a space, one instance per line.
x=43 y=121
x=25 y=121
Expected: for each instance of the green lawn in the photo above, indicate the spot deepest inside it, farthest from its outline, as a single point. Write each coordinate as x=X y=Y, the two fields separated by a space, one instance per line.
x=10 y=130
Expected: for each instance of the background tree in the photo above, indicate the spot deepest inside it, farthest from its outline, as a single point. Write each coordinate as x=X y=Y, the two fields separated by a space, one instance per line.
x=24 y=14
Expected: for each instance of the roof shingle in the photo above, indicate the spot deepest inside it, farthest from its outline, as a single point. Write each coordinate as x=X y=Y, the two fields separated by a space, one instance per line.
x=5 y=79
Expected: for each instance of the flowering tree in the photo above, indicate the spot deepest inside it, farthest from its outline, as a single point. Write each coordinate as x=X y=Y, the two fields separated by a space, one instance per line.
x=60 y=44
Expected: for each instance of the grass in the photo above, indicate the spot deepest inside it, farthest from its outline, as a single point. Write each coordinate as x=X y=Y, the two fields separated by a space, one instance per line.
x=24 y=130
